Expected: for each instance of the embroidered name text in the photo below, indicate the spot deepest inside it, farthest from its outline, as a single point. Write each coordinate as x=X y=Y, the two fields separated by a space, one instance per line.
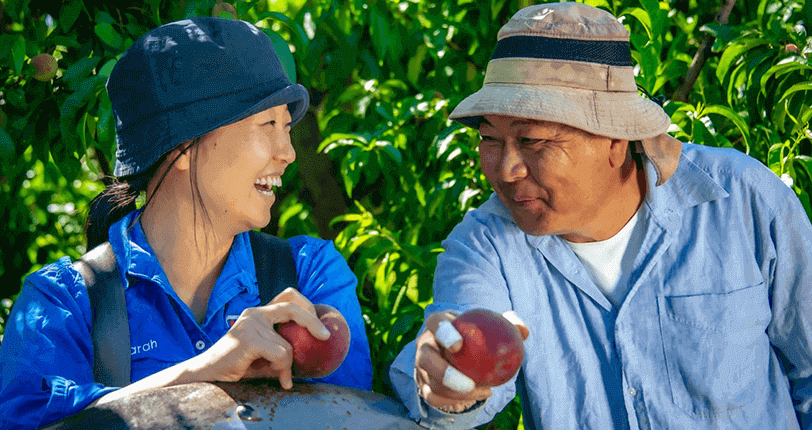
x=143 y=348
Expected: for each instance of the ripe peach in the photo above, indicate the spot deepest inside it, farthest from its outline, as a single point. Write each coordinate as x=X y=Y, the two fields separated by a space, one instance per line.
x=45 y=64
x=221 y=7
x=492 y=349
x=313 y=358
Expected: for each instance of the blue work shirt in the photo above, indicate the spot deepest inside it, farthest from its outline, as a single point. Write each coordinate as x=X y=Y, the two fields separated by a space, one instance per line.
x=715 y=332
x=47 y=353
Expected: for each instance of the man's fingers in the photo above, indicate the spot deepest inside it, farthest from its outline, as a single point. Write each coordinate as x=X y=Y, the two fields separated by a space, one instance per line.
x=439 y=324
x=513 y=317
x=448 y=336
x=436 y=373
x=457 y=381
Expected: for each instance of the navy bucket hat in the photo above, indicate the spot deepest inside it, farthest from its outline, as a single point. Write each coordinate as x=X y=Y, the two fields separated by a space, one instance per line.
x=187 y=78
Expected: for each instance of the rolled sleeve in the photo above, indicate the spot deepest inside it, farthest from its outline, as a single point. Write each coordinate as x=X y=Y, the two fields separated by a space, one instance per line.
x=46 y=356
x=324 y=277
x=467 y=277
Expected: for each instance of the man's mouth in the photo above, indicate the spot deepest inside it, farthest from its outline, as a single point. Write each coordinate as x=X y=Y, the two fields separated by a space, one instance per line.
x=267 y=184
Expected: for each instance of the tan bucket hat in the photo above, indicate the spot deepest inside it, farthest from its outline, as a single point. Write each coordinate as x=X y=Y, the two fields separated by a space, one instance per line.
x=570 y=63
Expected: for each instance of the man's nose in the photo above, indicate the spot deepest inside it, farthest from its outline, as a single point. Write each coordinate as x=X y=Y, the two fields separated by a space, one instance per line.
x=513 y=167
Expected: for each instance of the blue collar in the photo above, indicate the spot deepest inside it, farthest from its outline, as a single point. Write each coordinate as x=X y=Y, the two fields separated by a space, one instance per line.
x=137 y=259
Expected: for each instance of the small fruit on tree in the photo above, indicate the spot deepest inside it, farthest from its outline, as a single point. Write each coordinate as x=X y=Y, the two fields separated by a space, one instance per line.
x=492 y=349
x=45 y=65
x=221 y=7
x=314 y=358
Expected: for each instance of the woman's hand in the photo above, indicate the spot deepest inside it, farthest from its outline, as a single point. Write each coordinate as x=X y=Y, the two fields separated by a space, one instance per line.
x=438 y=382
x=253 y=349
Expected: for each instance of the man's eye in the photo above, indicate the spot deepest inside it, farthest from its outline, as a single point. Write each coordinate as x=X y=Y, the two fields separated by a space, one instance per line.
x=528 y=142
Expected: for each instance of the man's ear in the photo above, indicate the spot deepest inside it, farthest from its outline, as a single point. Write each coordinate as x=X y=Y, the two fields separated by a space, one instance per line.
x=618 y=152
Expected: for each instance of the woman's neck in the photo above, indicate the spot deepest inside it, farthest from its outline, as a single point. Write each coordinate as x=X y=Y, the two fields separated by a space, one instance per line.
x=191 y=253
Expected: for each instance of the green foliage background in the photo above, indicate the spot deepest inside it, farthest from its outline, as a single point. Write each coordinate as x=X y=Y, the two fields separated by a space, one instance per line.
x=383 y=77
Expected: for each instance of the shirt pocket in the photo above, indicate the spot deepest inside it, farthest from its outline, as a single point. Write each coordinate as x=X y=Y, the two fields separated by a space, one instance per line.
x=716 y=349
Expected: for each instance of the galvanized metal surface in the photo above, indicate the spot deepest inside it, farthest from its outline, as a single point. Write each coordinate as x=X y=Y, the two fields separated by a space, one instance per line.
x=257 y=404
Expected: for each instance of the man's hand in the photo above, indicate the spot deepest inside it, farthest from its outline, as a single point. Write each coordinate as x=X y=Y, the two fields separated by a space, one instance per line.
x=253 y=349
x=439 y=383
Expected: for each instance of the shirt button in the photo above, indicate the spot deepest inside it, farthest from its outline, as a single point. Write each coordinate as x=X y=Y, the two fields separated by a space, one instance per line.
x=200 y=345
x=632 y=392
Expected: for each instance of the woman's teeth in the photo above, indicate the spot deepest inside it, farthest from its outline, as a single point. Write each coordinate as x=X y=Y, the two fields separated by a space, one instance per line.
x=264 y=185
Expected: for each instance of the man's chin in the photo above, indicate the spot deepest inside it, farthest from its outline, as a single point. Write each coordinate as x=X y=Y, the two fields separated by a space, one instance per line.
x=533 y=225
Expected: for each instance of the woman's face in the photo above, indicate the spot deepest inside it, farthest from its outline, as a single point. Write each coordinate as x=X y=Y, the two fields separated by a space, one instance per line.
x=239 y=165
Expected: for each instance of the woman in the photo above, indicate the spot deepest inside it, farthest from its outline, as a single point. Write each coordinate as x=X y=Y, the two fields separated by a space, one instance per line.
x=203 y=114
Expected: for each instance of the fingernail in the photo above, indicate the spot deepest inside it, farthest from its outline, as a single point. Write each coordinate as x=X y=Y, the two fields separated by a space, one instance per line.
x=513 y=317
x=455 y=380
x=447 y=335
x=324 y=331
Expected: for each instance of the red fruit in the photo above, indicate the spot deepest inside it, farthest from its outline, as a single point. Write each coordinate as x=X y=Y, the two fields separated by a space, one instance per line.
x=492 y=349
x=221 y=7
x=314 y=358
x=45 y=64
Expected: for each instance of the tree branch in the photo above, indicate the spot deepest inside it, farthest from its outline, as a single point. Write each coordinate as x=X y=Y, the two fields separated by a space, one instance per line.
x=702 y=55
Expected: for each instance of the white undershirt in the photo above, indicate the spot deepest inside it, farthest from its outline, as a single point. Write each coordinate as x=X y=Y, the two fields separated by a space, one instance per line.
x=609 y=262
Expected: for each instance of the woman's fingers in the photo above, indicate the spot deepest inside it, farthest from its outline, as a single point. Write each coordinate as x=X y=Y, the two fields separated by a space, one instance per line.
x=290 y=311
x=294 y=296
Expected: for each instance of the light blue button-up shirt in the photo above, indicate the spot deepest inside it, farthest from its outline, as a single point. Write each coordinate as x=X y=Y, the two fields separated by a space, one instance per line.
x=715 y=332
x=47 y=353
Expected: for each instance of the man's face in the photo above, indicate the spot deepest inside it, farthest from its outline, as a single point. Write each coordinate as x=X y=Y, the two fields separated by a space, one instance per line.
x=552 y=177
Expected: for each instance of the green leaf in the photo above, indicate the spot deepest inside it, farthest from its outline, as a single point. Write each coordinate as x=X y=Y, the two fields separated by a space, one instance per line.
x=283 y=53
x=70 y=110
x=107 y=68
x=496 y=7
x=804 y=86
x=69 y=13
x=80 y=70
x=379 y=30
x=780 y=69
x=18 y=54
x=734 y=117
x=105 y=126
x=290 y=23
x=7 y=156
x=723 y=34
x=108 y=34
x=642 y=16
x=394 y=154
x=733 y=52
x=415 y=66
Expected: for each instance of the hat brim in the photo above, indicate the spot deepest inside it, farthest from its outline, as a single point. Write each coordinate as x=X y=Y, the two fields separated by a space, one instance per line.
x=620 y=115
x=171 y=128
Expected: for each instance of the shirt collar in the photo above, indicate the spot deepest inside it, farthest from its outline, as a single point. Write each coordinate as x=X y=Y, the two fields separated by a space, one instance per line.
x=136 y=258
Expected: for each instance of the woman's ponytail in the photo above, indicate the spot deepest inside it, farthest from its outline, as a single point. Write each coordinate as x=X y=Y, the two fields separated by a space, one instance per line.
x=117 y=200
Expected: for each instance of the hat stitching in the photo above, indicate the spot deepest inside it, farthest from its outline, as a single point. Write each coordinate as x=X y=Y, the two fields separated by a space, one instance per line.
x=184 y=105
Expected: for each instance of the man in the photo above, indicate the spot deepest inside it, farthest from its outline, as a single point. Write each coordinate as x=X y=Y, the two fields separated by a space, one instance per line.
x=665 y=285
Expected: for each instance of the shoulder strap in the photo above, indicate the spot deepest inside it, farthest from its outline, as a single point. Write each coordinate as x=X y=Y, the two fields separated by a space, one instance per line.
x=110 y=327
x=274 y=263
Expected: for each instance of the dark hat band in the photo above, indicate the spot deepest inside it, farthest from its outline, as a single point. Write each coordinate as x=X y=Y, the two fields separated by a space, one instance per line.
x=609 y=52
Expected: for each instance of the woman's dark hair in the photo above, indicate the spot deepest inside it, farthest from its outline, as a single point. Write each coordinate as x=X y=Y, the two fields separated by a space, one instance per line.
x=118 y=199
